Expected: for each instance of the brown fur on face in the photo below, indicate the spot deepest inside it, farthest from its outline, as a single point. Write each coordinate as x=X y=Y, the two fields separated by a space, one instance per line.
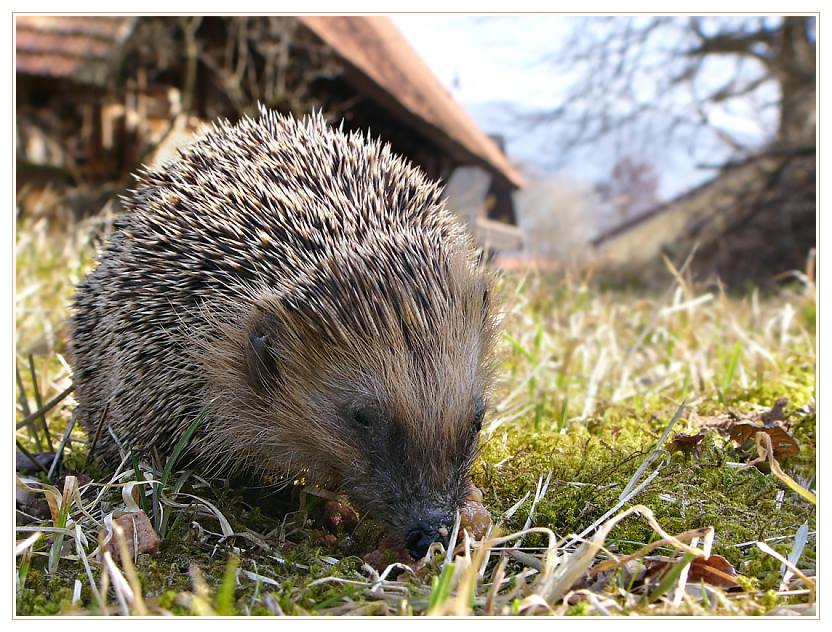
x=311 y=294
x=363 y=384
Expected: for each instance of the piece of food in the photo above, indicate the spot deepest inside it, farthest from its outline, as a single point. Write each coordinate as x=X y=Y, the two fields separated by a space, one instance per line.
x=339 y=516
x=139 y=536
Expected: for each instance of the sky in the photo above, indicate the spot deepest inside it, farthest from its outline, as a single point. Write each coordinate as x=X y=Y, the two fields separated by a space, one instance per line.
x=493 y=64
x=485 y=59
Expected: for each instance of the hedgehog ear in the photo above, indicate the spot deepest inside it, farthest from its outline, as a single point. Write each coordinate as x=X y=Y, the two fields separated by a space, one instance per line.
x=261 y=367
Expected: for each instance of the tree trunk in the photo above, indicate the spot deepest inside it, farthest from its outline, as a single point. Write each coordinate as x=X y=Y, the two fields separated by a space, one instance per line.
x=793 y=64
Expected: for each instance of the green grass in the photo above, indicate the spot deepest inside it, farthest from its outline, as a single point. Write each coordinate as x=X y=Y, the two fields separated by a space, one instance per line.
x=591 y=373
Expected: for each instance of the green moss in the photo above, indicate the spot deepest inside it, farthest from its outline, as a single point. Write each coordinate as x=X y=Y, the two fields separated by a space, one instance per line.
x=44 y=594
x=687 y=493
x=578 y=610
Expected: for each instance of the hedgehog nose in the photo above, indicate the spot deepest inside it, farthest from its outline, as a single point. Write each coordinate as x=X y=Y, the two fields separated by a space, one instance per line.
x=419 y=538
x=430 y=529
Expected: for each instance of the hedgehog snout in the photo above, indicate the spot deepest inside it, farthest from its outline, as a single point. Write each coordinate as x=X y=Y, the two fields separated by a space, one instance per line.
x=426 y=531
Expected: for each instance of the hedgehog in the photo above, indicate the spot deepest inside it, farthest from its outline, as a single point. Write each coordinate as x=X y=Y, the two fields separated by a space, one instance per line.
x=306 y=293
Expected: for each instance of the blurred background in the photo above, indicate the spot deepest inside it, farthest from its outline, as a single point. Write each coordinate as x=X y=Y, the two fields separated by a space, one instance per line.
x=562 y=141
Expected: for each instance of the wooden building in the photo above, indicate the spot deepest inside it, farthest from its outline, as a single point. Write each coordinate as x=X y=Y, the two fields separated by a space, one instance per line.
x=98 y=96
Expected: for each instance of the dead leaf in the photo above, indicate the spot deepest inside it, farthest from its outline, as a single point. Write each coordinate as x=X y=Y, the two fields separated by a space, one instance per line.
x=714 y=570
x=637 y=573
x=688 y=444
x=783 y=444
x=741 y=427
x=765 y=452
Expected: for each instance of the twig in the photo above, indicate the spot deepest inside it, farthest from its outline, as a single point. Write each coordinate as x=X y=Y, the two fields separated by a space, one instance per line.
x=28 y=455
x=39 y=402
x=24 y=404
x=30 y=417
x=774 y=539
x=540 y=492
x=98 y=428
x=189 y=28
x=692 y=534
x=60 y=451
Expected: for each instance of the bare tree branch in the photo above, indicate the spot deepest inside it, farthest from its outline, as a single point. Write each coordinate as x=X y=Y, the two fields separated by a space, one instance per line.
x=639 y=80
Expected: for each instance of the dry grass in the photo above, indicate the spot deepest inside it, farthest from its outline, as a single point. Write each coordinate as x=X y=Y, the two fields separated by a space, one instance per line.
x=584 y=366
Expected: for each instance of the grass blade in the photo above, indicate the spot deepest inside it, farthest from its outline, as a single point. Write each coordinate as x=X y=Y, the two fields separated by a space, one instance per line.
x=180 y=446
x=441 y=587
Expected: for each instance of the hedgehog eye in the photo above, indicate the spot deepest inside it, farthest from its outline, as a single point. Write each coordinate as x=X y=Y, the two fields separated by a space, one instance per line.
x=259 y=362
x=362 y=417
x=258 y=343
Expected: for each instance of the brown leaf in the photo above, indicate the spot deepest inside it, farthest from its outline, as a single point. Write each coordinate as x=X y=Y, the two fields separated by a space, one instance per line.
x=782 y=442
x=725 y=421
x=688 y=444
x=636 y=573
x=741 y=427
x=714 y=570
